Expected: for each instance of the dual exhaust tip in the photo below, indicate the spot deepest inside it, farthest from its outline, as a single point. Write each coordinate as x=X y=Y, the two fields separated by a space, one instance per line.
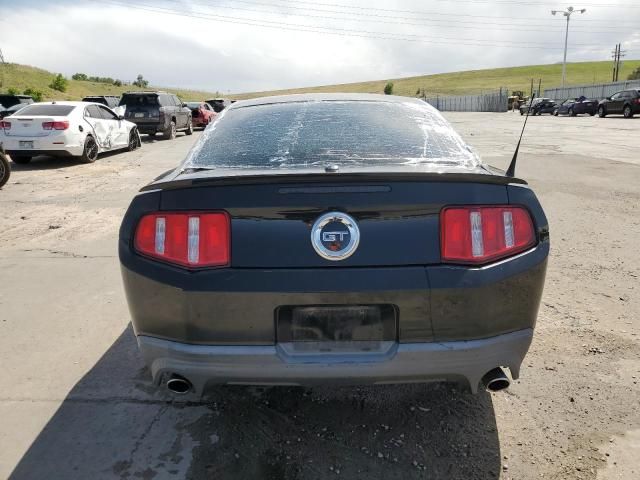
x=494 y=381
x=179 y=385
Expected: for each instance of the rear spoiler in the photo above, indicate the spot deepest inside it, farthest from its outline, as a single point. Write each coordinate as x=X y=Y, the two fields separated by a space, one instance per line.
x=205 y=179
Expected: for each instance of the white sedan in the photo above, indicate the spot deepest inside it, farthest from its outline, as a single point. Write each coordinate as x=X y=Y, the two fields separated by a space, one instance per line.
x=78 y=129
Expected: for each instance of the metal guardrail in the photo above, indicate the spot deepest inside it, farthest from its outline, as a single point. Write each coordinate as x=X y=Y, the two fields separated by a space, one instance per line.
x=497 y=101
x=597 y=90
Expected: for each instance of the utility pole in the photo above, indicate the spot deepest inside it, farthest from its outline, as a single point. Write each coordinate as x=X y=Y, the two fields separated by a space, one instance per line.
x=567 y=13
x=2 y=63
x=617 y=54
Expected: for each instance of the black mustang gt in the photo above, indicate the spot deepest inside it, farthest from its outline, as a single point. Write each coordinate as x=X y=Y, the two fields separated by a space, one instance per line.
x=345 y=239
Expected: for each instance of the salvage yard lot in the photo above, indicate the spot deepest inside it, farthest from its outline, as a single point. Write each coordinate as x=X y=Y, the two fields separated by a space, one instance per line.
x=77 y=401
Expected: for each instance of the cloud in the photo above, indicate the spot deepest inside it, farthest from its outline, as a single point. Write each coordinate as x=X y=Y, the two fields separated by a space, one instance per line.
x=120 y=38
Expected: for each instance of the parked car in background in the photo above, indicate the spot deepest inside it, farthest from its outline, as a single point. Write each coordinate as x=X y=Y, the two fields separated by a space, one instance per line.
x=5 y=112
x=78 y=129
x=539 y=106
x=110 y=101
x=7 y=100
x=202 y=114
x=157 y=112
x=218 y=104
x=576 y=106
x=284 y=252
x=5 y=167
x=626 y=102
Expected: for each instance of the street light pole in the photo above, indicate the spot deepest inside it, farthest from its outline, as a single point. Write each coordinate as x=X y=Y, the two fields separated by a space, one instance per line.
x=567 y=13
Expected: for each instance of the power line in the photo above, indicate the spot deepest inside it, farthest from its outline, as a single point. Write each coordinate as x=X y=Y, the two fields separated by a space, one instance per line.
x=375 y=18
x=334 y=30
x=359 y=9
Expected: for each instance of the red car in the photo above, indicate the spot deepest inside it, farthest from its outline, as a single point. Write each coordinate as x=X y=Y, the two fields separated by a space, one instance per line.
x=201 y=114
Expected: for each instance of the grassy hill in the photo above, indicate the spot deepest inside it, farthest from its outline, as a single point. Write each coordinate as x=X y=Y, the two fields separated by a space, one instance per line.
x=455 y=83
x=474 y=81
x=21 y=77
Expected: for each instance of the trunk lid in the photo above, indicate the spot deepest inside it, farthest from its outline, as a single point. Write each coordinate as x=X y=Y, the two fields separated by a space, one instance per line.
x=30 y=126
x=271 y=221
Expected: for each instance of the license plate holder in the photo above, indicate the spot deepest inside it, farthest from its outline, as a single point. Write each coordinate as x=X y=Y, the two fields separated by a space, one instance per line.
x=138 y=115
x=26 y=144
x=336 y=324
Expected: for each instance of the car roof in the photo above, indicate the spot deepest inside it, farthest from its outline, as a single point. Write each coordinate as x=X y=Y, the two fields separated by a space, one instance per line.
x=326 y=97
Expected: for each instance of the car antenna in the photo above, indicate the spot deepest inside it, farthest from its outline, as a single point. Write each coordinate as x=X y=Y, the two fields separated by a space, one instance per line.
x=512 y=166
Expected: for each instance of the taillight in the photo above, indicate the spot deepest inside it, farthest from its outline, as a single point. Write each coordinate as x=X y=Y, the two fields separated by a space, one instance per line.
x=192 y=239
x=481 y=234
x=5 y=125
x=63 y=125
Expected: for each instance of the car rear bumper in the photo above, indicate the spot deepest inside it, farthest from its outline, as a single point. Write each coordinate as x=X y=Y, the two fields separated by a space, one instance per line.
x=44 y=146
x=465 y=362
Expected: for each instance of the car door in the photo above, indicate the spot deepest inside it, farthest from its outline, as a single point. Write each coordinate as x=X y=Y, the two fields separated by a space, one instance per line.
x=182 y=112
x=117 y=128
x=99 y=126
x=616 y=103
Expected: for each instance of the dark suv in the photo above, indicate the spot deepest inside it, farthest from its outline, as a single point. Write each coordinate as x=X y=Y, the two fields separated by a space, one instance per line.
x=7 y=100
x=110 y=101
x=218 y=104
x=155 y=112
x=626 y=102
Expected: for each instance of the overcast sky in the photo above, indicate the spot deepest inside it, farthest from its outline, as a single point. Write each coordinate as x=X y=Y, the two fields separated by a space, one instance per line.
x=252 y=45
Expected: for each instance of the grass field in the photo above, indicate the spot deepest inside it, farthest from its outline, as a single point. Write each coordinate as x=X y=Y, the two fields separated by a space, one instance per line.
x=455 y=83
x=475 y=81
x=23 y=76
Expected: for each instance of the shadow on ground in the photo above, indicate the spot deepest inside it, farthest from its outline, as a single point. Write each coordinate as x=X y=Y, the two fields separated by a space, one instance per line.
x=114 y=424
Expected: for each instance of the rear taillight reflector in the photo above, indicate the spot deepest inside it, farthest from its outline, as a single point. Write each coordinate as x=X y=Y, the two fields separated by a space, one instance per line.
x=63 y=125
x=482 y=234
x=5 y=125
x=192 y=239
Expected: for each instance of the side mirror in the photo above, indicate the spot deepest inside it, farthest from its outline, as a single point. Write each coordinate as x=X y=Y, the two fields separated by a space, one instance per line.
x=184 y=105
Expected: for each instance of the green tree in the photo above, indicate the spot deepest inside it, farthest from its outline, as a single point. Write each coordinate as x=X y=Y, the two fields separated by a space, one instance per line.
x=79 y=76
x=117 y=82
x=59 y=83
x=35 y=94
x=388 y=88
x=635 y=75
x=141 y=82
x=12 y=91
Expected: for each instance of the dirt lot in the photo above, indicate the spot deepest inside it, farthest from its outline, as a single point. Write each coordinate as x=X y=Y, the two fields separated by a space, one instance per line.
x=76 y=401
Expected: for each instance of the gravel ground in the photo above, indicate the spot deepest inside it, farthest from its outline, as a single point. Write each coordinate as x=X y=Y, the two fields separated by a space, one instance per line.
x=78 y=403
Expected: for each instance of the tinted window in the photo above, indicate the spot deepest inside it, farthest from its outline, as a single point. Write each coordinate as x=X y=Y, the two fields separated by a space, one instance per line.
x=107 y=114
x=93 y=112
x=137 y=100
x=101 y=100
x=349 y=133
x=10 y=100
x=53 y=110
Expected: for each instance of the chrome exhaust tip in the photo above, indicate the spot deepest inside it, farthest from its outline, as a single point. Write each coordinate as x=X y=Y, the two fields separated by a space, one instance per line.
x=496 y=380
x=178 y=385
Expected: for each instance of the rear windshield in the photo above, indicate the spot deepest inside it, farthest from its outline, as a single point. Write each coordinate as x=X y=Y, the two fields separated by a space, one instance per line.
x=193 y=105
x=314 y=134
x=47 y=110
x=139 y=100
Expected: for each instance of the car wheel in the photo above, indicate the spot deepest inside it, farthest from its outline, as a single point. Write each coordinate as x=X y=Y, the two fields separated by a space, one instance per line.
x=521 y=112
x=592 y=113
x=5 y=170
x=134 y=140
x=555 y=113
x=170 y=132
x=189 y=129
x=21 y=160
x=627 y=112
x=90 y=153
x=601 y=112
x=572 y=113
